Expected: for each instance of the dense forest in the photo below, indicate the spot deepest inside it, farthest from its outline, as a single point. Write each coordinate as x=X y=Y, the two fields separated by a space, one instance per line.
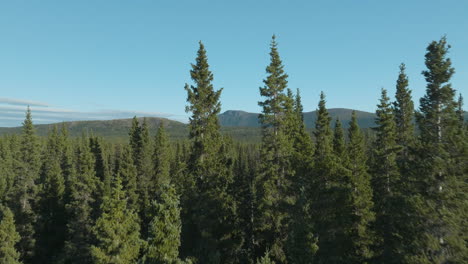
x=335 y=195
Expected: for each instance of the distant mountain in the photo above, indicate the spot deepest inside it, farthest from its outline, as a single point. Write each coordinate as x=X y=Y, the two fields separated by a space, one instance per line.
x=233 y=118
x=240 y=125
x=114 y=129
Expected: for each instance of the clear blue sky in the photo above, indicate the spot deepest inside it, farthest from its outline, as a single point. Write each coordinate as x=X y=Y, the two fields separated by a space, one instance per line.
x=106 y=59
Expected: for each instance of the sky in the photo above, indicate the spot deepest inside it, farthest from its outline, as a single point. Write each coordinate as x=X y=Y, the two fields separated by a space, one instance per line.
x=107 y=59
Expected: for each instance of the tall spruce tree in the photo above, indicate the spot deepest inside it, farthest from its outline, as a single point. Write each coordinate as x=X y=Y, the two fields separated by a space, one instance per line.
x=210 y=167
x=83 y=207
x=440 y=198
x=117 y=230
x=23 y=198
x=387 y=185
x=127 y=173
x=8 y=237
x=161 y=158
x=328 y=191
x=51 y=226
x=403 y=109
x=359 y=233
x=276 y=170
x=339 y=141
x=165 y=227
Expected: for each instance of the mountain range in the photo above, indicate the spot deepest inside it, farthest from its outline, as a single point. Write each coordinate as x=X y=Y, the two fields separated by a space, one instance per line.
x=241 y=125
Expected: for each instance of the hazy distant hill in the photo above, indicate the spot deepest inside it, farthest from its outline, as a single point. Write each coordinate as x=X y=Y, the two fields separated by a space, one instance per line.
x=240 y=125
x=233 y=118
x=117 y=128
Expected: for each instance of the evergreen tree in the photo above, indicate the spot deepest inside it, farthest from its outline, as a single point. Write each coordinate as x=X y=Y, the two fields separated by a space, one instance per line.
x=52 y=220
x=165 y=227
x=440 y=190
x=328 y=191
x=386 y=184
x=339 y=142
x=276 y=171
x=82 y=208
x=117 y=230
x=161 y=158
x=101 y=166
x=265 y=259
x=127 y=172
x=8 y=237
x=243 y=190
x=23 y=197
x=359 y=232
x=403 y=109
x=302 y=244
x=210 y=167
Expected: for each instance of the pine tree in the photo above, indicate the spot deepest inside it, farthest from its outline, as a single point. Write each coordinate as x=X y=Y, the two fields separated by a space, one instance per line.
x=161 y=158
x=403 y=109
x=23 y=197
x=328 y=192
x=210 y=167
x=82 y=207
x=243 y=191
x=117 y=230
x=386 y=184
x=359 y=231
x=339 y=142
x=8 y=237
x=165 y=227
x=265 y=259
x=101 y=166
x=52 y=220
x=302 y=244
x=276 y=171
x=439 y=189
x=127 y=172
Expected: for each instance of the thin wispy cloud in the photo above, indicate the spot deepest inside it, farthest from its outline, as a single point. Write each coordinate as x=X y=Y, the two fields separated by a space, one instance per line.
x=12 y=113
x=11 y=101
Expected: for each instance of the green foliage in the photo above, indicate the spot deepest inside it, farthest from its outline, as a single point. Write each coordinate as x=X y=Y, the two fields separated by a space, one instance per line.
x=23 y=197
x=8 y=237
x=359 y=234
x=82 y=207
x=440 y=198
x=265 y=259
x=127 y=172
x=165 y=227
x=274 y=186
x=117 y=231
x=51 y=226
x=387 y=186
x=209 y=167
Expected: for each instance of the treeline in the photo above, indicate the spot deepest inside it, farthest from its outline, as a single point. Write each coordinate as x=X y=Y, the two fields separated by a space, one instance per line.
x=332 y=197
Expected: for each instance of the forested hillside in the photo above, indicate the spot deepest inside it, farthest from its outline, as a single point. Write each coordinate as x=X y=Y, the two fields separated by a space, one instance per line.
x=337 y=196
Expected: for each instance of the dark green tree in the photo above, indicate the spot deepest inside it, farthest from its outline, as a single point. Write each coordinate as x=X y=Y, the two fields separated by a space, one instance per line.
x=51 y=226
x=386 y=183
x=328 y=191
x=165 y=227
x=161 y=158
x=210 y=167
x=339 y=141
x=359 y=233
x=127 y=172
x=117 y=230
x=440 y=200
x=8 y=237
x=274 y=183
x=23 y=198
x=83 y=207
x=403 y=109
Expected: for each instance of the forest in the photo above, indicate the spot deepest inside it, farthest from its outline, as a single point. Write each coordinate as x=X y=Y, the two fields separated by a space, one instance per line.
x=397 y=194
